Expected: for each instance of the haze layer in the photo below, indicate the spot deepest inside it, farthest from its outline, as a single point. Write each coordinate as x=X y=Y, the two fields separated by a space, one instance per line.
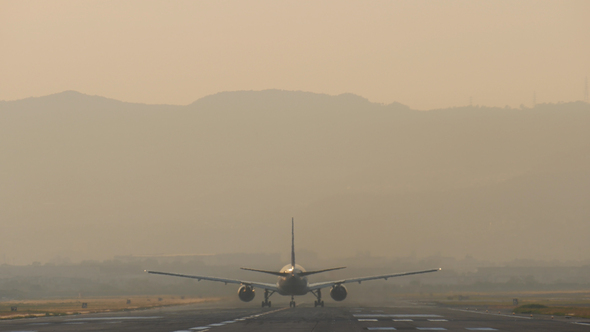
x=90 y=177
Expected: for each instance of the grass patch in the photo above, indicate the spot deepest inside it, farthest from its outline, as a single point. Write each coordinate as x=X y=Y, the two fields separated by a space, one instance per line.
x=531 y=306
x=37 y=308
x=539 y=309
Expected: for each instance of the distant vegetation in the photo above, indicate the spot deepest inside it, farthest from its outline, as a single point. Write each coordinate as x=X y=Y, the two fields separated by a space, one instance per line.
x=124 y=276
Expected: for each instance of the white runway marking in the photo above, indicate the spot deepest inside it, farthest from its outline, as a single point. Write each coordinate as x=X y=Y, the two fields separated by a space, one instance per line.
x=480 y=329
x=206 y=328
x=403 y=320
x=431 y=328
x=368 y=320
x=39 y=324
x=381 y=328
x=484 y=313
x=75 y=323
x=438 y=320
x=581 y=323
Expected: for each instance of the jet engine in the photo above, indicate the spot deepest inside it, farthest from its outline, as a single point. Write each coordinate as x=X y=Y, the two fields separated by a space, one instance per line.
x=338 y=292
x=246 y=293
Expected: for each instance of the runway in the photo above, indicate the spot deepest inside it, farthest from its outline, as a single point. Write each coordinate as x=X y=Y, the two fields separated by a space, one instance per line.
x=398 y=316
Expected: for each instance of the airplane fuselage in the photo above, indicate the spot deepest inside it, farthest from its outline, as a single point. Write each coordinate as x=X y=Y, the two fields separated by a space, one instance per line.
x=291 y=283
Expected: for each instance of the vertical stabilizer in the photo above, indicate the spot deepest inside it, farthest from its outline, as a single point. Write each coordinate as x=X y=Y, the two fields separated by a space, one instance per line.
x=293 y=242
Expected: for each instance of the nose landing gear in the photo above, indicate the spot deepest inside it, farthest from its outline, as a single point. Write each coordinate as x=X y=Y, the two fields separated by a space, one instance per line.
x=292 y=303
x=318 y=295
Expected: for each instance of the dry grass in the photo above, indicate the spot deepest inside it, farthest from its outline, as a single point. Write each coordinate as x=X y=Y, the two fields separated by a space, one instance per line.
x=583 y=312
x=35 y=308
x=558 y=303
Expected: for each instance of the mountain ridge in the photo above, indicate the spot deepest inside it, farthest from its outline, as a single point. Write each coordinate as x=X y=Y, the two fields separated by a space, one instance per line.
x=90 y=177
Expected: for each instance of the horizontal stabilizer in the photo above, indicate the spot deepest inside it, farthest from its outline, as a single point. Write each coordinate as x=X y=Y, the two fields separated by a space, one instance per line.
x=275 y=273
x=302 y=274
x=306 y=273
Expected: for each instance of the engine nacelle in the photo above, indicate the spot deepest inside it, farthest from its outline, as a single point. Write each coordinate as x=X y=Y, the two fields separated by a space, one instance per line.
x=338 y=292
x=246 y=293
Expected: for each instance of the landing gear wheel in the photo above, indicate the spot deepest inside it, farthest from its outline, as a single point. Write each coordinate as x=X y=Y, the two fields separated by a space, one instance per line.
x=292 y=304
x=266 y=302
x=318 y=295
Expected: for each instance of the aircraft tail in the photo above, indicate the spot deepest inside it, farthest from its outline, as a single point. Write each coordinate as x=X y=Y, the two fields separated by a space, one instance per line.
x=293 y=242
x=306 y=273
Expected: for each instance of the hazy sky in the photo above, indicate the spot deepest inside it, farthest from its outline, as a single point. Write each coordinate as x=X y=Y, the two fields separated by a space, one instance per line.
x=424 y=54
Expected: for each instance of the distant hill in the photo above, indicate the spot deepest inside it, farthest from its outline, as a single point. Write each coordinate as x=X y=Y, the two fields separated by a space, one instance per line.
x=90 y=177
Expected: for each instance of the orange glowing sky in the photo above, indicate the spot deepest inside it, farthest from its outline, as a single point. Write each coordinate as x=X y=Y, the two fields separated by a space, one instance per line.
x=423 y=54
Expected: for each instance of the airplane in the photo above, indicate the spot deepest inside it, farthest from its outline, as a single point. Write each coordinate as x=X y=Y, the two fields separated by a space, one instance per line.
x=292 y=280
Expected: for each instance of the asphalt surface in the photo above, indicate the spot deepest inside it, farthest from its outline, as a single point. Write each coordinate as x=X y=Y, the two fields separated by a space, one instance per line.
x=400 y=316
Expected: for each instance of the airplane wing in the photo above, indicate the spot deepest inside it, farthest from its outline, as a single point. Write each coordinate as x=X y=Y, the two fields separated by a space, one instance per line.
x=325 y=284
x=263 y=285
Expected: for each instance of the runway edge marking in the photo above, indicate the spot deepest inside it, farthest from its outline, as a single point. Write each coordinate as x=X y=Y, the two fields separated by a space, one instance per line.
x=487 y=313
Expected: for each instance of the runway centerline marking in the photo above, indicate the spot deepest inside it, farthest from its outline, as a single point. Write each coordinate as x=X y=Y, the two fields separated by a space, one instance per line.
x=206 y=328
x=368 y=320
x=437 y=320
x=403 y=320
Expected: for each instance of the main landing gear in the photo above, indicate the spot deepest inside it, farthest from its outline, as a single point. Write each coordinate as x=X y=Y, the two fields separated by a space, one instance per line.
x=266 y=302
x=292 y=303
x=318 y=295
